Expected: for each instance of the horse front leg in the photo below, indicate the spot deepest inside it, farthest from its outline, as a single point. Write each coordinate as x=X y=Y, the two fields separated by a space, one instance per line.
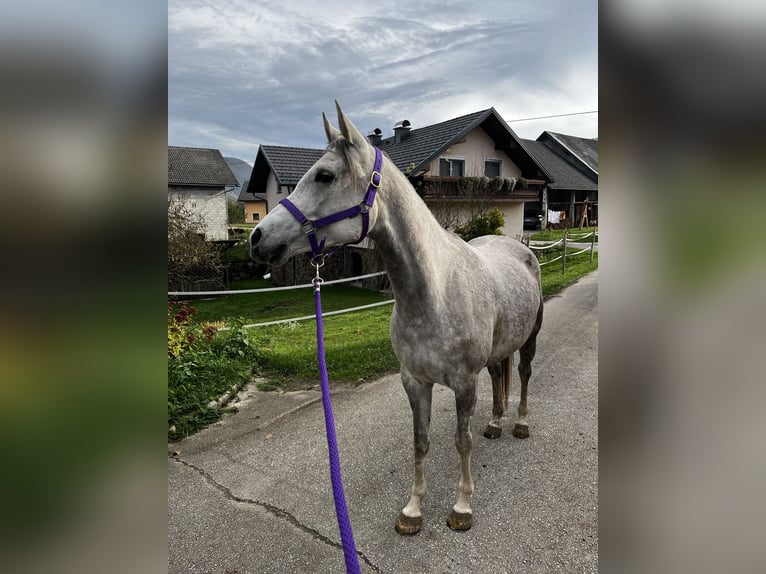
x=461 y=517
x=410 y=519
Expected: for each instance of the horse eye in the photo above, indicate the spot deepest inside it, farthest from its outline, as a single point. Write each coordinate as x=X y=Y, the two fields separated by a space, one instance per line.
x=324 y=177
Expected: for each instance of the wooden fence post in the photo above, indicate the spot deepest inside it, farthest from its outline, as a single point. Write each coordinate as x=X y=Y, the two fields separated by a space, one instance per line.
x=564 y=254
x=592 y=245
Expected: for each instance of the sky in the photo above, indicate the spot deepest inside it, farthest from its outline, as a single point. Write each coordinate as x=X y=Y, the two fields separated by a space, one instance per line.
x=244 y=73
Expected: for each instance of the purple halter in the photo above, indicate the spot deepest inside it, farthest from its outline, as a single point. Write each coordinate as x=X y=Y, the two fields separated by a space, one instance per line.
x=363 y=209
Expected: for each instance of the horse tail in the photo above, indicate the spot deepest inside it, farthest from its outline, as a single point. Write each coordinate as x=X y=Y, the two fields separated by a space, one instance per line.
x=506 y=378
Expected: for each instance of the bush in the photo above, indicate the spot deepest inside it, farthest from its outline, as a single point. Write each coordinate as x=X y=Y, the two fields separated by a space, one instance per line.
x=488 y=223
x=204 y=363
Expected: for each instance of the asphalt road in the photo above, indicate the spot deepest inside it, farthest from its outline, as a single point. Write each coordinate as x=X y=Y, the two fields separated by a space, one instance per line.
x=252 y=494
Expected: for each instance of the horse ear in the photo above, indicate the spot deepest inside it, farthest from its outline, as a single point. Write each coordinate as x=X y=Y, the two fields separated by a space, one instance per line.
x=353 y=135
x=332 y=133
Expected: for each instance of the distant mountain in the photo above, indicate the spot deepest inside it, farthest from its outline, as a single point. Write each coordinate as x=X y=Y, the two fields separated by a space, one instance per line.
x=241 y=170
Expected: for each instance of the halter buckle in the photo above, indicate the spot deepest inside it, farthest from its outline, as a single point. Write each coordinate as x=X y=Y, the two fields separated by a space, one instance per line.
x=375 y=179
x=308 y=227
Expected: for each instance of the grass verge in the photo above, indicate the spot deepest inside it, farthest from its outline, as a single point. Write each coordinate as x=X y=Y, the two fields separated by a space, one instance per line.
x=556 y=234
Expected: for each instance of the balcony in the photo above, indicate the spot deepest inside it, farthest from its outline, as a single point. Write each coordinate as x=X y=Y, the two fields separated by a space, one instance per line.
x=472 y=188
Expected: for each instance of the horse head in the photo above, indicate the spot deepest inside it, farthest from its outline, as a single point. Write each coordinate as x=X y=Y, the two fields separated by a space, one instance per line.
x=331 y=204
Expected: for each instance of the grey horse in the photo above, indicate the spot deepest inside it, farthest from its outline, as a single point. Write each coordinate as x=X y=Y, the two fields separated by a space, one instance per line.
x=460 y=307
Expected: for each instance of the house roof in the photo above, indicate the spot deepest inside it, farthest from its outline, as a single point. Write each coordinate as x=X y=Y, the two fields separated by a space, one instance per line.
x=425 y=144
x=245 y=195
x=198 y=166
x=584 y=150
x=289 y=164
x=420 y=147
x=564 y=174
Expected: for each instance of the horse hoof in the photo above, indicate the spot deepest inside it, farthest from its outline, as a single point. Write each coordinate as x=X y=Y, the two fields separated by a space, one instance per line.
x=492 y=431
x=521 y=431
x=460 y=521
x=408 y=525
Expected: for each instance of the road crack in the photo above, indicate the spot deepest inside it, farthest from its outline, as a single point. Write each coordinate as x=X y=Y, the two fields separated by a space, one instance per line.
x=271 y=509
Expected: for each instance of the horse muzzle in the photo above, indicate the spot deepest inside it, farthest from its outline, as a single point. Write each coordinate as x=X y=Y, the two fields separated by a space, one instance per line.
x=261 y=252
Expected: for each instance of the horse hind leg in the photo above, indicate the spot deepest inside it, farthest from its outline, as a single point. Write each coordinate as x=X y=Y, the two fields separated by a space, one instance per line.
x=526 y=354
x=501 y=386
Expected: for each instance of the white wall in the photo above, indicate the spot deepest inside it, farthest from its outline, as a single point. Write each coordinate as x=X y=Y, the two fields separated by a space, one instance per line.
x=514 y=218
x=272 y=197
x=211 y=204
x=513 y=212
x=477 y=147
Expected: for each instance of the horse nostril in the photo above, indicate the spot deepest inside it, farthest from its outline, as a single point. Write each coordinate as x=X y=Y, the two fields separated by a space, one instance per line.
x=255 y=237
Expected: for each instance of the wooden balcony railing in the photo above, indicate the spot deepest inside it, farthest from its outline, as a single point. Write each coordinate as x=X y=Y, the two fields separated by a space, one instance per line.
x=470 y=188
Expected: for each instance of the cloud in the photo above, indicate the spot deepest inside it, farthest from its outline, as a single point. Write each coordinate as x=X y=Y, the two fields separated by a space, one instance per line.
x=262 y=73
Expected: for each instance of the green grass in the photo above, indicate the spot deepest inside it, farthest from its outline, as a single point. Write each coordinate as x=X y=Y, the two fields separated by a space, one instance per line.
x=556 y=234
x=554 y=281
x=357 y=346
x=262 y=307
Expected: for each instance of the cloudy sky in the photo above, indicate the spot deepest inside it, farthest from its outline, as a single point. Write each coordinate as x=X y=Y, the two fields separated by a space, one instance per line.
x=244 y=73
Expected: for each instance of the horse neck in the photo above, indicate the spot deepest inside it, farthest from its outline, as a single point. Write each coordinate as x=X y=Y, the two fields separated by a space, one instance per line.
x=410 y=241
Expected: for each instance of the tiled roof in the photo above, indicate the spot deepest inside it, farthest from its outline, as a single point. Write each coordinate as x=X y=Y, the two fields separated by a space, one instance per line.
x=198 y=166
x=422 y=144
x=564 y=174
x=245 y=195
x=413 y=153
x=289 y=163
x=584 y=149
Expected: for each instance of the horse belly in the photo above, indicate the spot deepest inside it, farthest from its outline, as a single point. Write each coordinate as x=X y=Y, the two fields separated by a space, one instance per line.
x=439 y=354
x=514 y=324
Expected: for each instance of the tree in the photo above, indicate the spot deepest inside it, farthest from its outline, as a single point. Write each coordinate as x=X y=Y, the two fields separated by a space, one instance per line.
x=236 y=212
x=190 y=257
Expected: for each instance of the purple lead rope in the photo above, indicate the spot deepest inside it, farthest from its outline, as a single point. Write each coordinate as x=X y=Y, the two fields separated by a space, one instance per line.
x=344 y=524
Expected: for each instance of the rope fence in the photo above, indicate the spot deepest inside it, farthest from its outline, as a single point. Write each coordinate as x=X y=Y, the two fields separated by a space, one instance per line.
x=307 y=317
x=270 y=289
x=563 y=241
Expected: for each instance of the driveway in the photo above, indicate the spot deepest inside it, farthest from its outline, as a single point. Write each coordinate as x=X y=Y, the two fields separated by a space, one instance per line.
x=251 y=494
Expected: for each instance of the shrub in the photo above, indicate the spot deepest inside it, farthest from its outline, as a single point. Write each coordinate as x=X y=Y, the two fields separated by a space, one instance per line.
x=488 y=223
x=204 y=362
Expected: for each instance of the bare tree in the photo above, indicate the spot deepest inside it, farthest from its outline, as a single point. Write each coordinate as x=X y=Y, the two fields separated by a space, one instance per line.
x=191 y=259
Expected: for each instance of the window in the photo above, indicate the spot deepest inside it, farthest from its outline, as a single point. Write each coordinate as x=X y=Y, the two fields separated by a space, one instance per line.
x=493 y=167
x=256 y=216
x=451 y=167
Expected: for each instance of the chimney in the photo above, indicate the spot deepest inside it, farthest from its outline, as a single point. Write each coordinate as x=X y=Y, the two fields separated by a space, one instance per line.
x=402 y=131
x=375 y=136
